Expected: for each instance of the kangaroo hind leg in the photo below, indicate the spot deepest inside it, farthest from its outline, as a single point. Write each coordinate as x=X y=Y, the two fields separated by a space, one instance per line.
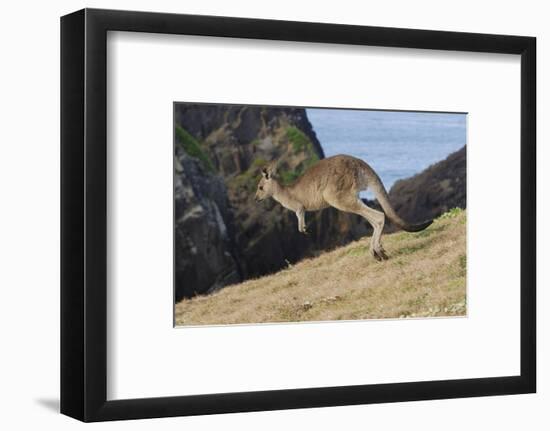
x=374 y=217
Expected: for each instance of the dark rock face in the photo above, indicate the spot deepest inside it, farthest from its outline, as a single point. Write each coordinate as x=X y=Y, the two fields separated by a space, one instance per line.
x=432 y=192
x=204 y=250
x=258 y=238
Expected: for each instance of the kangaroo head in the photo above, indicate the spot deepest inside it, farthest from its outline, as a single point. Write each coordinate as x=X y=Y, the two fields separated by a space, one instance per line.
x=266 y=186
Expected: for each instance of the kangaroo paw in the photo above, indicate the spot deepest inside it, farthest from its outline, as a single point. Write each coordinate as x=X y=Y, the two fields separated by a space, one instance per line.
x=380 y=254
x=383 y=254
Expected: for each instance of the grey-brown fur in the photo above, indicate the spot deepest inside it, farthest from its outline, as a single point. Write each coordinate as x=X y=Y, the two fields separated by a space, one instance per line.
x=336 y=182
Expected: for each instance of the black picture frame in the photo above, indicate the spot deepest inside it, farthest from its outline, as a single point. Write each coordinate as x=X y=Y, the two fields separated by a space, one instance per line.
x=84 y=214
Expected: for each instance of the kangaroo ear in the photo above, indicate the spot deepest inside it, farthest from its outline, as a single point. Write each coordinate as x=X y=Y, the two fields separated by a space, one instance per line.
x=269 y=170
x=272 y=168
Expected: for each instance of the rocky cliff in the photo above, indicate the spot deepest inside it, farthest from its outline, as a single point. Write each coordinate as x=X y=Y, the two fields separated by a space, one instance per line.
x=433 y=191
x=221 y=150
x=205 y=254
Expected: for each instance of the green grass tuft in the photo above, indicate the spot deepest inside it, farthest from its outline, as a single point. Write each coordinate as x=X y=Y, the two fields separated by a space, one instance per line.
x=452 y=213
x=413 y=248
x=288 y=177
x=298 y=139
x=192 y=147
x=358 y=251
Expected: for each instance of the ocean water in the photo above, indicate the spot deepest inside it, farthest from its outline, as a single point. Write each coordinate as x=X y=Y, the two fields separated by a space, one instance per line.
x=395 y=144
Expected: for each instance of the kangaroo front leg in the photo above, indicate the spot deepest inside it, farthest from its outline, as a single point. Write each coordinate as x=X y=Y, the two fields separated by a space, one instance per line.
x=300 y=214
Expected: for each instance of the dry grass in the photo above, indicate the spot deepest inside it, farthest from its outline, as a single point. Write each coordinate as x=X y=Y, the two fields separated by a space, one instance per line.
x=425 y=276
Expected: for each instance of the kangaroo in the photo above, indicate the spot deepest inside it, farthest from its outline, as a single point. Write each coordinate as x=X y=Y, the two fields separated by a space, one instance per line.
x=336 y=182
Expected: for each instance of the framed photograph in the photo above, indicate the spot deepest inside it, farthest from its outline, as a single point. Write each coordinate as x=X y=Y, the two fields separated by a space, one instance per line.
x=262 y=215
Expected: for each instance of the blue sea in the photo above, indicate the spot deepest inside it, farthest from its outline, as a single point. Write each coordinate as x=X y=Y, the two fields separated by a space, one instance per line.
x=395 y=144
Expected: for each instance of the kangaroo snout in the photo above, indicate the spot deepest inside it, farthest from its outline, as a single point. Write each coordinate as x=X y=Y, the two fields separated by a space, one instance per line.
x=258 y=198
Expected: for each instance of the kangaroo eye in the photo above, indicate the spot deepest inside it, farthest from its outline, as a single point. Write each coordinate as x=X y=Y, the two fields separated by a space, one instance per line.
x=261 y=188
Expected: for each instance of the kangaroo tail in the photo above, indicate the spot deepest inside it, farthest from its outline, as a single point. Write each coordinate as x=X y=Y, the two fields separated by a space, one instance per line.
x=384 y=201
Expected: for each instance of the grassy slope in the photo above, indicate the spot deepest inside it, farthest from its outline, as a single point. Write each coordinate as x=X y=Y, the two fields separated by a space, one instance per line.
x=425 y=276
